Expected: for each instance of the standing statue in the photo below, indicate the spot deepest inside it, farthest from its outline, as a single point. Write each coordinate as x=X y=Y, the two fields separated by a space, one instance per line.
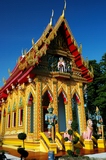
x=89 y=131
x=51 y=120
x=61 y=65
x=68 y=66
x=99 y=121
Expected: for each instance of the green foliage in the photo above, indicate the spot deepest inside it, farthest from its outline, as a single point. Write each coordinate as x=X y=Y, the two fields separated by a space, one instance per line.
x=77 y=151
x=66 y=138
x=75 y=139
x=74 y=125
x=70 y=153
x=93 y=87
x=70 y=132
x=96 y=91
x=22 y=136
x=22 y=152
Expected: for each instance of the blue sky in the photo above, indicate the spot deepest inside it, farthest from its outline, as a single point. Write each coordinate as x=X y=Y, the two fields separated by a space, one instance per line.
x=22 y=20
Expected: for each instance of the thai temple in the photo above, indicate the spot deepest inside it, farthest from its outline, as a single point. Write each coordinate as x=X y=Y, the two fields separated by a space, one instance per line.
x=52 y=72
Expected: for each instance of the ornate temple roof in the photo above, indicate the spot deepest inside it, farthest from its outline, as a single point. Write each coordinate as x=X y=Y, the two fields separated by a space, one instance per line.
x=30 y=59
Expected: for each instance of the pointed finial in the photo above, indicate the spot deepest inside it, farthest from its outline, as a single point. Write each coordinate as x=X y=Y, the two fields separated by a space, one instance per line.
x=51 y=17
x=80 y=48
x=23 y=53
x=33 y=42
x=87 y=62
x=63 y=13
x=4 y=80
x=9 y=71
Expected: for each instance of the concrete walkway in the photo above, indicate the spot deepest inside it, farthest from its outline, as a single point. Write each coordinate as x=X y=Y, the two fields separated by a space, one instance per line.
x=11 y=157
x=97 y=156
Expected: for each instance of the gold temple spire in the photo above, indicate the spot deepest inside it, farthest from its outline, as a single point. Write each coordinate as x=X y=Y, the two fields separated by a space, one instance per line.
x=63 y=13
x=51 y=17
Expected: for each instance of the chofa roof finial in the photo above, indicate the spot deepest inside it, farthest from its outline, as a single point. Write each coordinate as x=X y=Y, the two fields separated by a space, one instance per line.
x=63 y=13
x=51 y=17
x=80 y=48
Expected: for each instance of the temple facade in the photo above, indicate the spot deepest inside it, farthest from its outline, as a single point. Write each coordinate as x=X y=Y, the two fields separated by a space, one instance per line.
x=52 y=71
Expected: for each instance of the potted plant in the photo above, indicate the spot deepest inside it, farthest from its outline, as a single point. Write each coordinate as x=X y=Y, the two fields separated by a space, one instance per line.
x=21 y=150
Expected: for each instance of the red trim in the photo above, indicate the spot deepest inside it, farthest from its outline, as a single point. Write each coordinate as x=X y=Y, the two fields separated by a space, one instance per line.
x=15 y=68
x=12 y=81
x=3 y=95
x=74 y=51
x=50 y=96
x=24 y=76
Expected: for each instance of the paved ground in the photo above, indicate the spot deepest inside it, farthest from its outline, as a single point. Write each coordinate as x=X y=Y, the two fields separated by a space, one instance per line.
x=12 y=157
x=12 y=154
x=98 y=156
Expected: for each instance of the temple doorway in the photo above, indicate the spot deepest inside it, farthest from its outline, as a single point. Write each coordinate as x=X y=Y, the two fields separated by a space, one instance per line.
x=75 y=110
x=61 y=114
x=45 y=104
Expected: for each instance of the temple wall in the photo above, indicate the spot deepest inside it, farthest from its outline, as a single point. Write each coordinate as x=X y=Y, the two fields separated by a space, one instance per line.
x=37 y=89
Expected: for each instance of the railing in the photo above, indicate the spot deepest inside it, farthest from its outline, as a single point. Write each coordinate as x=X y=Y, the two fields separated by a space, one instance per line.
x=60 y=141
x=45 y=140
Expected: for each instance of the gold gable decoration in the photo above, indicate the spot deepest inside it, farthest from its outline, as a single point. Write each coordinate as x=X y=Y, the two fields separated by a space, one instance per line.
x=58 y=42
x=30 y=59
x=80 y=49
x=89 y=67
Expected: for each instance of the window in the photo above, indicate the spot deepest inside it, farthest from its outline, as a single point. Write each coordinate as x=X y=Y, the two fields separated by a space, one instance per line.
x=8 y=120
x=20 y=117
x=14 y=120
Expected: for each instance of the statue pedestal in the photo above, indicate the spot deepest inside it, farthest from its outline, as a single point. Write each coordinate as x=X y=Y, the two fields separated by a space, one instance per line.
x=68 y=145
x=88 y=144
x=101 y=143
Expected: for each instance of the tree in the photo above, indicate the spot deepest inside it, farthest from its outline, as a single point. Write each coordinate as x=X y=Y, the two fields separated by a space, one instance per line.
x=92 y=89
x=96 y=90
x=74 y=139
x=22 y=136
x=101 y=99
x=21 y=150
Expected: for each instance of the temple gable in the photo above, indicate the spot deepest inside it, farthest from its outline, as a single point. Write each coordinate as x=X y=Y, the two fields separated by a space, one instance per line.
x=59 y=43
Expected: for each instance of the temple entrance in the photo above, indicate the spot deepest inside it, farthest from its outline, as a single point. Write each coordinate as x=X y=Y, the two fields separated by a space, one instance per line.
x=75 y=110
x=61 y=114
x=45 y=103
